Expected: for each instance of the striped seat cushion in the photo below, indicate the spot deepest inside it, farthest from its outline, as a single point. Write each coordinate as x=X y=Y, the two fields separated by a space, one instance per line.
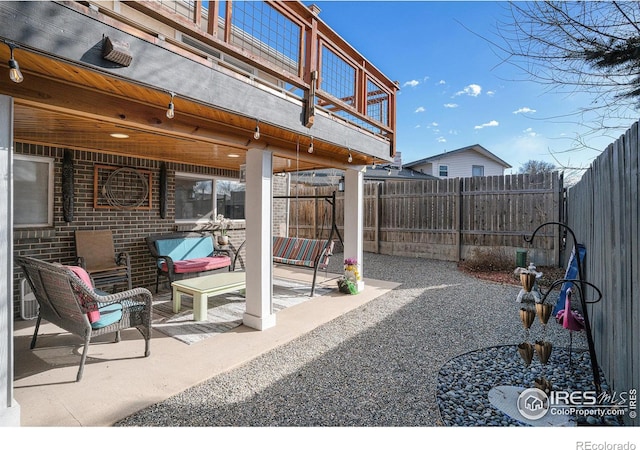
x=300 y=251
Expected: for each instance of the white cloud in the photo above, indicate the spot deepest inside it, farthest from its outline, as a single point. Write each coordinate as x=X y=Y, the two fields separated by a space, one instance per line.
x=473 y=90
x=529 y=132
x=450 y=105
x=492 y=123
x=524 y=110
x=434 y=124
x=418 y=126
x=491 y=93
x=420 y=109
x=441 y=140
x=412 y=83
x=442 y=82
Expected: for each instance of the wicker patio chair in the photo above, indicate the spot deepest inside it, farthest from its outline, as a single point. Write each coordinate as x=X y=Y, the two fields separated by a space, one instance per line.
x=96 y=254
x=68 y=302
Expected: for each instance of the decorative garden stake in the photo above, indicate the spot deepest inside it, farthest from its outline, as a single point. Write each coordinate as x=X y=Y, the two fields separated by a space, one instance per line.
x=581 y=285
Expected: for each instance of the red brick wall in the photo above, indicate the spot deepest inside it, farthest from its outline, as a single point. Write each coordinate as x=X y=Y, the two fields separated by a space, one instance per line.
x=130 y=227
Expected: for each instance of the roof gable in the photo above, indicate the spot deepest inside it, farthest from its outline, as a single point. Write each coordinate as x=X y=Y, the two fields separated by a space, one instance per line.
x=471 y=148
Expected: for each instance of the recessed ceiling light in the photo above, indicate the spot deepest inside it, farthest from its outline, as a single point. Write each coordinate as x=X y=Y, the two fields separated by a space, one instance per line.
x=119 y=135
x=233 y=155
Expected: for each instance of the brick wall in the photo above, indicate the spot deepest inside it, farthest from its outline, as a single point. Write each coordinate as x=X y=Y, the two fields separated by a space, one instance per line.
x=130 y=227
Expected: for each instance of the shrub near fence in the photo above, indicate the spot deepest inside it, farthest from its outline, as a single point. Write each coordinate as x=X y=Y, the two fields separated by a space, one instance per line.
x=444 y=219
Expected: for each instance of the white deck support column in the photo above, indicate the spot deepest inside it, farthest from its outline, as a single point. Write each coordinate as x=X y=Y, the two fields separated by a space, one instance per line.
x=259 y=265
x=9 y=408
x=354 y=217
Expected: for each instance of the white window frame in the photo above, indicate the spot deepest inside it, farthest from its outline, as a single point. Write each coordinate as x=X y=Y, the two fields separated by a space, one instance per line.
x=214 y=196
x=477 y=166
x=50 y=187
x=446 y=169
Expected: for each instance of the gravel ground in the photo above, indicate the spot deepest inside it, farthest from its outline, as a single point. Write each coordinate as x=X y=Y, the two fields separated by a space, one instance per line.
x=411 y=357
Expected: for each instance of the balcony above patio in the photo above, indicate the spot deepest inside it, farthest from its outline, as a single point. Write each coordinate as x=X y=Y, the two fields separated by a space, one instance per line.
x=267 y=75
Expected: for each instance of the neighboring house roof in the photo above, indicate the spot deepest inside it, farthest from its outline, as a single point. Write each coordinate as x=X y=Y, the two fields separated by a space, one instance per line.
x=476 y=147
x=395 y=173
x=329 y=177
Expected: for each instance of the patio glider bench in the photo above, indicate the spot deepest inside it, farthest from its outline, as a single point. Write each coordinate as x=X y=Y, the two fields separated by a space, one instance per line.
x=67 y=298
x=181 y=254
x=313 y=253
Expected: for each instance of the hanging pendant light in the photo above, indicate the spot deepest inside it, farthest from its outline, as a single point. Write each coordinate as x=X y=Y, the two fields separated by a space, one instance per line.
x=310 y=149
x=171 y=108
x=14 y=68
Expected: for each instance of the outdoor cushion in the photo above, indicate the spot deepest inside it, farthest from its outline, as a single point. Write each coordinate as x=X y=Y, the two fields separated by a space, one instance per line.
x=108 y=314
x=199 y=264
x=93 y=314
x=293 y=262
x=185 y=248
x=299 y=251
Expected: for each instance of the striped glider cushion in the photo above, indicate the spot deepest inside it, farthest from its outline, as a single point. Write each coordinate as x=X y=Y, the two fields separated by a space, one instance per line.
x=297 y=251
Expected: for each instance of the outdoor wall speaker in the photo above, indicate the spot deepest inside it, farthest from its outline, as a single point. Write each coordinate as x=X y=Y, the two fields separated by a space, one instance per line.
x=116 y=51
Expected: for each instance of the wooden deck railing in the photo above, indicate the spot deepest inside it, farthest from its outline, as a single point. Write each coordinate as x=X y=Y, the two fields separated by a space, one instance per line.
x=295 y=50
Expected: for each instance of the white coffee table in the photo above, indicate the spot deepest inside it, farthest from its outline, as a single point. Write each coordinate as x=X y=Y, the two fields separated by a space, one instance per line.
x=207 y=286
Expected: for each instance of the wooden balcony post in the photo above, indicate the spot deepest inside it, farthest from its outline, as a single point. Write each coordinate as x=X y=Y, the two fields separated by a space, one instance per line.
x=212 y=19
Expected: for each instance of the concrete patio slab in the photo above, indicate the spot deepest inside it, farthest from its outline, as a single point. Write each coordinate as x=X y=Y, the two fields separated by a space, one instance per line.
x=119 y=381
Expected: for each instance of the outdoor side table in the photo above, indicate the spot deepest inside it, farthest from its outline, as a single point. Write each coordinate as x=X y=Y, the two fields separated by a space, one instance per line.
x=201 y=288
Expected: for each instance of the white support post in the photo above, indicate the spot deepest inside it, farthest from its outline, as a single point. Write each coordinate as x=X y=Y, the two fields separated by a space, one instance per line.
x=9 y=408
x=354 y=218
x=259 y=265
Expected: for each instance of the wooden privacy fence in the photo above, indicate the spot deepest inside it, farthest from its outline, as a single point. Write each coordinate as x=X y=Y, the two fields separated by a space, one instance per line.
x=443 y=219
x=603 y=210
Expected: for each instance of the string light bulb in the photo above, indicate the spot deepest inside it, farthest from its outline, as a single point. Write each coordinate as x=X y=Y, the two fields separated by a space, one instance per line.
x=256 y=134
x=14 y=69
x=310 y=150
x=350 y=158
x=171 y=108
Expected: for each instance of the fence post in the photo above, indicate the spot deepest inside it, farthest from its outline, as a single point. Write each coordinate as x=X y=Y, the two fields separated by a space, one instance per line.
x=378 y=216
x=458 y=220
x=558 y=216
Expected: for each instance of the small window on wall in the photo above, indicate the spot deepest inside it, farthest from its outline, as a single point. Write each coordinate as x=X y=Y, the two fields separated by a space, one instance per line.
x=477 y=171
x=201 y=199
x=33 y=191
x=443 y=171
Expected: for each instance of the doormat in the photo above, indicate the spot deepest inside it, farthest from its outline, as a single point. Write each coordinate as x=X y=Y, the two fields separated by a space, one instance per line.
x=224 y=312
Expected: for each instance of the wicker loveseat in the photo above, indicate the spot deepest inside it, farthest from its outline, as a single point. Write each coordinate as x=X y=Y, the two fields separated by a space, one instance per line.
x=67 y=299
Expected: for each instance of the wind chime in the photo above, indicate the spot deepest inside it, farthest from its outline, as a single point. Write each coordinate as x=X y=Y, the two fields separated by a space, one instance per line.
x=534 y=306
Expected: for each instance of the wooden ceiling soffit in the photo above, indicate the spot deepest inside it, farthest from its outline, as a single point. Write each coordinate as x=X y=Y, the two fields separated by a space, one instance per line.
x=47 y=94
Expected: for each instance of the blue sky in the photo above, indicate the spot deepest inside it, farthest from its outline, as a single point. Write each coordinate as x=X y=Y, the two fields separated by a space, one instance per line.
x=454 y=90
